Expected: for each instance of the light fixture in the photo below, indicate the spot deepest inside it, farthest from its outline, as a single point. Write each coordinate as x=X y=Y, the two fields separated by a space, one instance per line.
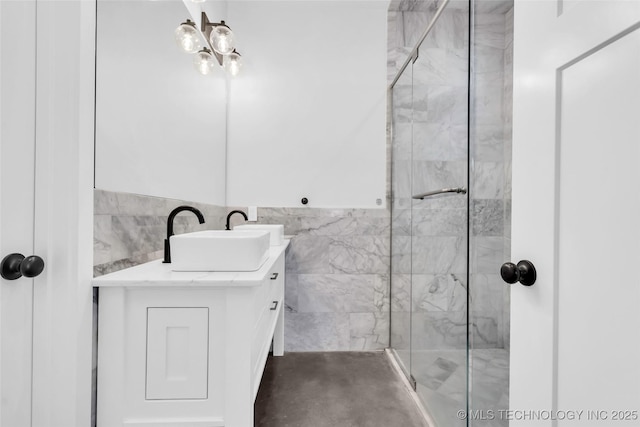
x=218 y=37
x=204 y=62
x=187 y=37
x=221 y=38
x=232 y=63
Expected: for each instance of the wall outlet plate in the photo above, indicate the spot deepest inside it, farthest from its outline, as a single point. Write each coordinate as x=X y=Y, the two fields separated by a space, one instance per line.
x=253 y=213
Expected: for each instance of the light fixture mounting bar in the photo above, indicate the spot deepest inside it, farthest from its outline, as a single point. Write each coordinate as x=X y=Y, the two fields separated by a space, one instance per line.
x=206 y=27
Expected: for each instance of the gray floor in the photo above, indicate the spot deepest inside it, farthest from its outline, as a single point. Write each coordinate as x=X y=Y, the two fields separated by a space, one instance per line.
x=333 y=389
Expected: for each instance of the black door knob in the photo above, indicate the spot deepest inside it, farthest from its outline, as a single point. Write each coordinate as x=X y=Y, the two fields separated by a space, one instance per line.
x=14 y=266
x=524 y=272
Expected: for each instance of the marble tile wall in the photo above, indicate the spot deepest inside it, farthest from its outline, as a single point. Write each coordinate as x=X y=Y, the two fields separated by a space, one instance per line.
x=129 y=229
x=337 y=277
x=491 y=173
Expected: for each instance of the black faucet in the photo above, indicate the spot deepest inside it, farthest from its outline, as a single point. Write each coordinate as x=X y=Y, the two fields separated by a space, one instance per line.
x=235 y=212
x=172 y=216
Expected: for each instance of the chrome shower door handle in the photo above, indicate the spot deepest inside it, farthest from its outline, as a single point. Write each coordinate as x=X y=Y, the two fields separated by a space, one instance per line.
x=457 y=190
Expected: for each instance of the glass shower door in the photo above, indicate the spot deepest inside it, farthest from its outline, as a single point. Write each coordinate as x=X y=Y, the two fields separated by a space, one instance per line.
x=429 y=269
x=439 y=228
x=452 y=128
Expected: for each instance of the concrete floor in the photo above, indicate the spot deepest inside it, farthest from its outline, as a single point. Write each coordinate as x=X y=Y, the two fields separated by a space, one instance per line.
x=334 y=389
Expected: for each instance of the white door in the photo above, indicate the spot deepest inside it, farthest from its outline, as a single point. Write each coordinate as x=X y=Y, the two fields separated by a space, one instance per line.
x=46 y=157
x=17 y=151
x=575 y=340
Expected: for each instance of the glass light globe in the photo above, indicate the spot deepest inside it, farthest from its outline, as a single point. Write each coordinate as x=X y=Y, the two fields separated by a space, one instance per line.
x=187 y=37
x=233 y=63
x=204 y=62
x=222 y=39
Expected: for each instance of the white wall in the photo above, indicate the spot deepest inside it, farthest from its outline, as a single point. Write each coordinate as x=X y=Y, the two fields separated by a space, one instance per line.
x=307 y=114
x=160 y=125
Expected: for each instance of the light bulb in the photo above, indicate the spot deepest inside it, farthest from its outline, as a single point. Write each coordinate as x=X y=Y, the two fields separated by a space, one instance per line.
x=187 y=37
x=222 y=39
x=233 y=63
x=204 y=62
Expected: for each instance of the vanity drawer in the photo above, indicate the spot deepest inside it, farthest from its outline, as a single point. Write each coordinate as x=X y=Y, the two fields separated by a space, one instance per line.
x=266 y=309
x=271 y=289
x=275 y=282
x=266 y=317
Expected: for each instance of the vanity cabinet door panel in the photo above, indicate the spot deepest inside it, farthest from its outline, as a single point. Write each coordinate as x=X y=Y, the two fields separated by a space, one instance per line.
x=262 y=313
x=177 y=353
x=260 y=295
x=277 y=282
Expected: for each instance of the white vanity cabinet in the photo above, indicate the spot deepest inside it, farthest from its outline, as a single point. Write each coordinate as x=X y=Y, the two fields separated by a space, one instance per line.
x=181 y=349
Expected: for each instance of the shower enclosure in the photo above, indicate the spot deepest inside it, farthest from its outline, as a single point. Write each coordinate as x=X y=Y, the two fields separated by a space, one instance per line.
x=450 y=182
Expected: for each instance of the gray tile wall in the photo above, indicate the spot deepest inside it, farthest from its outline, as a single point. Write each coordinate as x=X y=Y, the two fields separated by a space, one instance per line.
x=337 y=277
x=491 y=175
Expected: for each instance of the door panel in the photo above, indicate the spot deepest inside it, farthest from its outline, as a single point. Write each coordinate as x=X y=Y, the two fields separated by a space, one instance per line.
x=597 y=301
x=575 y=208
x=17 y=148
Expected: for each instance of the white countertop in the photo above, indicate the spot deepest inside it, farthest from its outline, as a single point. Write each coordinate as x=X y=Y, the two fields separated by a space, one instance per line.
x=156 y=273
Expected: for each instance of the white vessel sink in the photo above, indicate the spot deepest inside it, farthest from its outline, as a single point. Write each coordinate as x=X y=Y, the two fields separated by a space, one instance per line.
x=276 y=231
x=219 y=250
